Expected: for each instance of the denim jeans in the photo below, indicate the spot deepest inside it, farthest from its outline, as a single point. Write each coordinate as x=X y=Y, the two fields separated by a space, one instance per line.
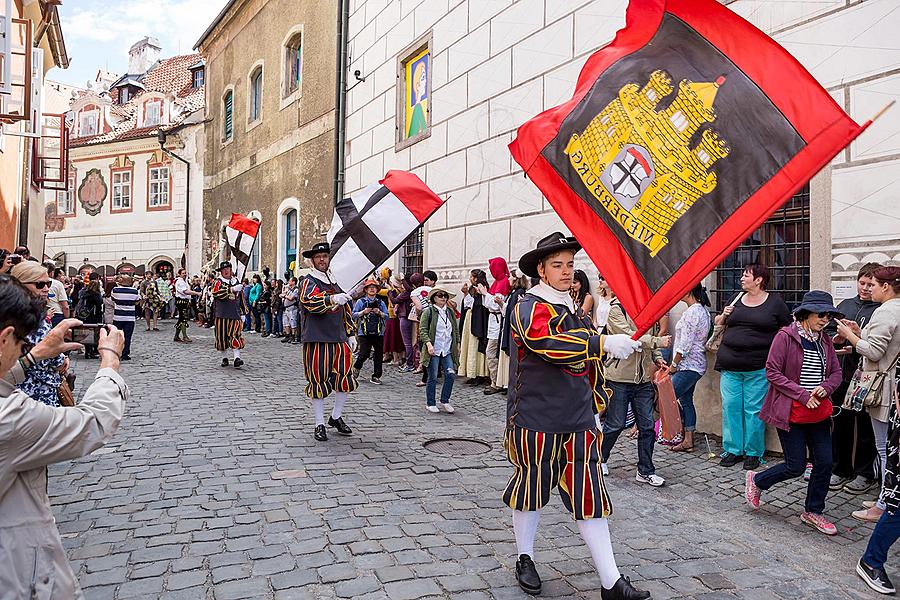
x=743 y=392
x=278 y=321
x=881 y=432
x=886 y=532
x=684 y=383
x=445 y=365
x=794 y=443
x=640 y=396
x=127 y=328
x=267 y=317
x=406 y=332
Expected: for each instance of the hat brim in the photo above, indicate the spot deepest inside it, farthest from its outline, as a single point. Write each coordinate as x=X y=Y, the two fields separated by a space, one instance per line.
x=529 y=261
x=819 y=308
x=311 y=253
x=435 y=291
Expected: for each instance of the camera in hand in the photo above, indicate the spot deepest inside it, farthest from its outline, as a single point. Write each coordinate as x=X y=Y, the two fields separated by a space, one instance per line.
x=88 y=333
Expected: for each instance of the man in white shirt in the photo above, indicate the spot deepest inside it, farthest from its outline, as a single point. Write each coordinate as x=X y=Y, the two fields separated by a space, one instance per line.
x=57 y=299
x=494 y=303
x=183 y=293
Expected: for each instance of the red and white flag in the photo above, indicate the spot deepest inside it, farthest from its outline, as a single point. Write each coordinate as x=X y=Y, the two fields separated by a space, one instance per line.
x=371 y=225
x=240 y=234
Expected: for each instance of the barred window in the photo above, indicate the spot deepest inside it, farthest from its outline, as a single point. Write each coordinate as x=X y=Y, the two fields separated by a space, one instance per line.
x=782 y=245
x=412 y=258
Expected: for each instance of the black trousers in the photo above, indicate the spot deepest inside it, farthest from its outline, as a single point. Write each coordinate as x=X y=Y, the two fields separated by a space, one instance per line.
x=371 y=345
x=127 y=328
x=853 y=441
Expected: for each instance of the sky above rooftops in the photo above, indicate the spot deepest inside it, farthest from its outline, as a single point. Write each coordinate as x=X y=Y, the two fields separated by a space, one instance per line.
x=99 y=33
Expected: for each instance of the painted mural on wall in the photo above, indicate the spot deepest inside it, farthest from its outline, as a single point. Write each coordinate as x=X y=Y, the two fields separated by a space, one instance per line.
x=92 y=192
x=52 y=221
x=418 y=78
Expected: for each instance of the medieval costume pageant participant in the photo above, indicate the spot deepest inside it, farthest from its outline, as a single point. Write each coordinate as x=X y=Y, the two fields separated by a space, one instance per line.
x=183 y=295
x=326 y=330
x=556 y=386
x=226 y=293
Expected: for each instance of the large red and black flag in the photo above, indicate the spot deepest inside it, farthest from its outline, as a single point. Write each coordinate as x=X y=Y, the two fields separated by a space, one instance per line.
x=240 y=235
x=371 y=225
x=684 y=134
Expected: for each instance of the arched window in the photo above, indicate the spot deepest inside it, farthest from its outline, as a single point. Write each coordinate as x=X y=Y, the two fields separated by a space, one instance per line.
x=228 y=116
x=253 y=264
x=255 y=95
x=290 y=238
x=293 y=64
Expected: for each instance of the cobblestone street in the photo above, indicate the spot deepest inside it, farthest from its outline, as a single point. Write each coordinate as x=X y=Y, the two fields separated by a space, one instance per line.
x=213 y=488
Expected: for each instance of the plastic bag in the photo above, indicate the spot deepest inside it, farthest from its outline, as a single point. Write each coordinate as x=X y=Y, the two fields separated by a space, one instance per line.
x=671 y=430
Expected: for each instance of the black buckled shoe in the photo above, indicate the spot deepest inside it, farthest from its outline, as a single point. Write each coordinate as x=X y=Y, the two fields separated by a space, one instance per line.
x=224 y=362
x=320 y=434
x=339 y=425
x=623 y=590
x=751 y=463
x=876 y=579
x=527 y=575
x=237 y=363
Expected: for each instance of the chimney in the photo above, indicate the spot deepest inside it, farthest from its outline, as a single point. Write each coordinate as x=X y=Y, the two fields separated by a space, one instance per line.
x=143 y=55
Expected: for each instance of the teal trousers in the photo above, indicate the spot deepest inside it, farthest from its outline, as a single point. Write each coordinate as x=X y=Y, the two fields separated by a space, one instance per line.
x=743 y=392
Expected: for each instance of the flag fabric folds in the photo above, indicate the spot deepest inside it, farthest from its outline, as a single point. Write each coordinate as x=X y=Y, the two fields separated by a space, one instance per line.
x=371 y=225
x=683 y=136
x=240 y=235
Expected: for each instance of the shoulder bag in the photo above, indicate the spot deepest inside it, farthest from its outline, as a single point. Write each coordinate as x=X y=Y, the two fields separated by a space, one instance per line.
x=866 y=387
x=718 y=332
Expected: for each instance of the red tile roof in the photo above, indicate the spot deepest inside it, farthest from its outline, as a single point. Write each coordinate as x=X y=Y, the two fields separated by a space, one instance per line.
x=168 y=76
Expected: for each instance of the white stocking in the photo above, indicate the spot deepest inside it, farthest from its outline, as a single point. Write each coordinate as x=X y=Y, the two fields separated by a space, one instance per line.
x=596 y=535
x=237 y=353
x=339 y=399
x=319 y=410
x=525 y=524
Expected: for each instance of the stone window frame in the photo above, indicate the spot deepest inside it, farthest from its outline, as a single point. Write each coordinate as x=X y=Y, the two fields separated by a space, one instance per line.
x=260 y=69
x=126 y=165
x=257 y=245
x=227 y=139
x=70 y=194
x=87 y=111
x=159 y=161
x=288 y=204
x=289 y=96
x=425 y=41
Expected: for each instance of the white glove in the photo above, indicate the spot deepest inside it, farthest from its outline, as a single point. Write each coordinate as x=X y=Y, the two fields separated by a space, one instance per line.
x=341 y=299
x=620 y=345
x=351 y=341
x=237 y=288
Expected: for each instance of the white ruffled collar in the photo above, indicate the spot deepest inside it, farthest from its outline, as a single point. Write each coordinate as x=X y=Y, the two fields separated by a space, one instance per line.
x=324 y=277
x=553 y=295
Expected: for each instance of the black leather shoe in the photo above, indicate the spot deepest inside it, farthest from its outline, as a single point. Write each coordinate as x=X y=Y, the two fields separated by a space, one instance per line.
x=729 y=460
x=527 y=575
x=876 y=579
x=623 y=590
x=320 y=434
x=224 y=362
x=339 y=425
x=237 y=363
x=751 y=463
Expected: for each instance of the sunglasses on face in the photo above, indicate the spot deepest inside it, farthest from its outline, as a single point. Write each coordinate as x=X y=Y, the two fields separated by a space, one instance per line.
x=441 y=296
x=39 y=285
x=824 y=315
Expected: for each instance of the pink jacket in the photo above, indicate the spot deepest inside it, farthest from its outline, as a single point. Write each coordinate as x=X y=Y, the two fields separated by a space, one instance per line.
x=783 y=372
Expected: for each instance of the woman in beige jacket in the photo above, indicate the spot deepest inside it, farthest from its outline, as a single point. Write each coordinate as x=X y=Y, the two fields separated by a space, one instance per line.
x=879 y=345
x=33 y=436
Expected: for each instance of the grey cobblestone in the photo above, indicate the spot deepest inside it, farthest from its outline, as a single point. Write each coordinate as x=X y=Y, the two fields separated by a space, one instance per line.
x=233 y=499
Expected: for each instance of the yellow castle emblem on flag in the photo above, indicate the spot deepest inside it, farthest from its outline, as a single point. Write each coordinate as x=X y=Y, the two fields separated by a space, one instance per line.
x=638 y=162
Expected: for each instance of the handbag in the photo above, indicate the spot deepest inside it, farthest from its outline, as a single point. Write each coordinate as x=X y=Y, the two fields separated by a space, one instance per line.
x=866 y=387
x=671 y=429
x=718 y=332
x=64 y=392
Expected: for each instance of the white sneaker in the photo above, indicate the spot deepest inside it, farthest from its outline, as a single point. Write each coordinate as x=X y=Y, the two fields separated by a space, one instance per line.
x=448 y=407
x=654 y=480
x=604 y=469
x=431 y=409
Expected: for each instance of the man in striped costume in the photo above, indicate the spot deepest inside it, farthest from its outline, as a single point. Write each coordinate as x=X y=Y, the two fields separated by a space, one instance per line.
x=326 y=330
x=226 y=293
x=552 y=440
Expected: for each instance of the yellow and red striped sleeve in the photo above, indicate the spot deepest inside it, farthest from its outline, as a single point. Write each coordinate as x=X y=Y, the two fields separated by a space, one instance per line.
x=220 y=291
x=313 y=299
x=536 y=325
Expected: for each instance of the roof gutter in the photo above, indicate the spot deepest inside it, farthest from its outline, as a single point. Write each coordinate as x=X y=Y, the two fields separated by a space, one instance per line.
x=219 y=18
x=50 y=23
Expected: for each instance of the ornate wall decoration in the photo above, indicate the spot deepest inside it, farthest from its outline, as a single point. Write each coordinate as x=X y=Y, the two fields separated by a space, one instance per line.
x=52 y=221
x=92 y=192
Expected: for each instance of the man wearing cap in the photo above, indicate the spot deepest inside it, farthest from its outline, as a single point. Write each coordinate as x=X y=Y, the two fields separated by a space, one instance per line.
x=370 y=313
x=226 y=293
x=556 y=386
x=327 y=333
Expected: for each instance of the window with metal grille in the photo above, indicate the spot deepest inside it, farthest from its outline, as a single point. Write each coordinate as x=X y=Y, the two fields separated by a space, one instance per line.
x=782 y=245
x=228 y=125
x=412 y=258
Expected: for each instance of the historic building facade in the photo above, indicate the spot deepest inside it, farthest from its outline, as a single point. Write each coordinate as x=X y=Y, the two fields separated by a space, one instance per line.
x=446 y=84
x=36 y=46
x=135 y=173
x=270 y=134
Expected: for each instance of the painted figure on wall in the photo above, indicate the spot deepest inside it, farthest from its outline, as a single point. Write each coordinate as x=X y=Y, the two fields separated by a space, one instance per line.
x=418 y=76
x=92 y=192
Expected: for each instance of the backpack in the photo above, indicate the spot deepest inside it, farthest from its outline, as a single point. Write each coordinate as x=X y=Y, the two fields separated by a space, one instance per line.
x=83 y=312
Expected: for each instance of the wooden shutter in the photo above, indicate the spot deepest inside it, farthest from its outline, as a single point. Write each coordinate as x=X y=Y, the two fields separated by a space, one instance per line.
x=50 y=154
x=229 y=115
x=16 y=71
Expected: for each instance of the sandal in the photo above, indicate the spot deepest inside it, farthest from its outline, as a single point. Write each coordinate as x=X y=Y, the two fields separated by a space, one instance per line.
x=681 y=448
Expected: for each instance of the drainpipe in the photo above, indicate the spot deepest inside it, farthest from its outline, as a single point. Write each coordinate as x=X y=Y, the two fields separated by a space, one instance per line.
x=161 y=136
x=340 y=99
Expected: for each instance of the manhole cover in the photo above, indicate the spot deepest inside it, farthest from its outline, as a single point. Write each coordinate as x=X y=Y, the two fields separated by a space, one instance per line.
x=457 y=446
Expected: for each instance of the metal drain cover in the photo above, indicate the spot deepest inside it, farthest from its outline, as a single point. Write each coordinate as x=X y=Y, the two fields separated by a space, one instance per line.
x=457 y=446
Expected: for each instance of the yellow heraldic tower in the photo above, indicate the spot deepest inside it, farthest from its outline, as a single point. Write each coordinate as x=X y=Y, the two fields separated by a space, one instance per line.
x=637 y=161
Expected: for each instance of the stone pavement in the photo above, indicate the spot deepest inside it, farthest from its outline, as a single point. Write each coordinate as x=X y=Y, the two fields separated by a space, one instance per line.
x=213 y=488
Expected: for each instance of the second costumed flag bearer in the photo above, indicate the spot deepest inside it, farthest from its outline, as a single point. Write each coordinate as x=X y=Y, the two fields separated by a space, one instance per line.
x=326 y=330
x=552 y=440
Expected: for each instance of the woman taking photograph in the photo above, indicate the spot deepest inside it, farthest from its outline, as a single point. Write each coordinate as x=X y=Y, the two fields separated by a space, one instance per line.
x=803 y=372
x=689 y=360
x=394 y=349
x=581 y=293
x=33 y=436
x=879 y=345
x=751 y=321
